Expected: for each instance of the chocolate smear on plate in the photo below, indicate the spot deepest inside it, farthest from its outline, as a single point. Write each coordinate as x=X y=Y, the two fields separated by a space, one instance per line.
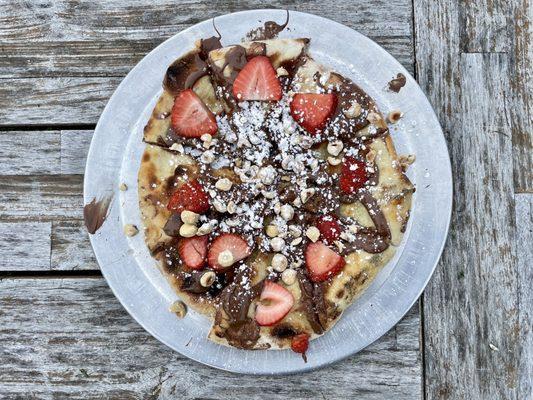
x=95 y=213
x=269 y=30
x=397 y=83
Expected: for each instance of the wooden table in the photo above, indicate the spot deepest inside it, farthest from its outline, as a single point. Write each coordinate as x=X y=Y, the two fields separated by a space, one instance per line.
x=62 y=332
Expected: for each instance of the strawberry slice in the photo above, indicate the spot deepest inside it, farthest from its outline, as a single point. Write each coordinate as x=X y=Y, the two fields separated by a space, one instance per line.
x=300 y=343
x=312 y=111
x=189 y=196
x=228 y=241
x=275 y=302
x=353 y=175
x=257 y=81
x=329 y=228
x=322 y=262
x=193 y=251
x=191 y=117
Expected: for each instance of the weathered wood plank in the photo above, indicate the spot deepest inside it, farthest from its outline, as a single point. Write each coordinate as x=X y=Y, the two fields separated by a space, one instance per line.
x=471 y=303
x=29 y=153
x=524 y=223
x=109 y=38
x=74 y=149
x=71 y=249
x=45 y=152
x=521 y=51
x=84 y=345
x=485 y=26
x=41 y=198
x=24 y=246
x=53 y=101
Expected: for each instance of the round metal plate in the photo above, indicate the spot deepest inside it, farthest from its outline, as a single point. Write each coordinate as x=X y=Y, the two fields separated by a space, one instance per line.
x=114 y=157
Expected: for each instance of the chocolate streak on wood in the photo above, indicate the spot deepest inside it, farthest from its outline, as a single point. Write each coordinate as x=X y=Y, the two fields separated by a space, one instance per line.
x=95 y=213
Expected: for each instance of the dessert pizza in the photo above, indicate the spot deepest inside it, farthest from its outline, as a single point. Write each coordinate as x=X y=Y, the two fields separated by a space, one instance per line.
x=270 y=191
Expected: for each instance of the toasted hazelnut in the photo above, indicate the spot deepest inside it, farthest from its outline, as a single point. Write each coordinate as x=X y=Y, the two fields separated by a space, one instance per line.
x=295 y=230
x=224 y=184
x=334 y=161
x=177 y=147
x=219 y=206
x=205 y=229
x=354 y=111
x=123 y=187
x=279 y=262
x=306 y=194
x=296 y=264
x=296 y=241
x=287 y=212
x=312 y=233
x=394 y=116
x=335 y=147
x=267 y=175
x=340 y=245
x=189 y=217
x=406 y=160
x=297 y=202
x=277 y=208
x=206 y=137
x=225 y=258
x=187 y=230
x=353 y=228
x=207 y=157
x=268 y=194
x=208 y=278
x=272 y=231
x=277 y=244
x=232 y=207
x=373 y=117
x=288 y=277
x=282 y=71
x=130 y=230
x=178 y=308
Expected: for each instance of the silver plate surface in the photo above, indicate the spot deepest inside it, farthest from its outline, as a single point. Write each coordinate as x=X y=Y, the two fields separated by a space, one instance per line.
x=114 y=157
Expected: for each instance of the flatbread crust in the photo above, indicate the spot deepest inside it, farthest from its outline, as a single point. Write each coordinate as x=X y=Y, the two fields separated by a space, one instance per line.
x=393 y=194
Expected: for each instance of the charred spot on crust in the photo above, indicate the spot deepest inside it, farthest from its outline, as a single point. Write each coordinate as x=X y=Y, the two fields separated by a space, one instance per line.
x=340 y=294
x=146 y=157
x=283 y=331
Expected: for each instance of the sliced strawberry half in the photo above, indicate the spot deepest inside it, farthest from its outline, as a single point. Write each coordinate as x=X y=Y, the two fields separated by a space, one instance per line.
x=353 y=175
x=191 y=117
x=322 y=262
x=300 y=343
x=312 y=111
x=189 y=196
x=257 y=81
x=228 y=241
x=193 y=251
x=275 y=302
x=329 y=228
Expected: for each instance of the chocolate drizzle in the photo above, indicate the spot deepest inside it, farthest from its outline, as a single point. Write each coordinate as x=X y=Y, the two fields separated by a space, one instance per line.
x=312 y=302
x=95 y=214
x=269 y=30
x=184 y=72
x=396 y=84
x=242 y=332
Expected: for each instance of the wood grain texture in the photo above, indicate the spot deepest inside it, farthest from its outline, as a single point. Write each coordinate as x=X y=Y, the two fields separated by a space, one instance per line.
x=521 y=57
x=25 y=246
x=85 y=346
x=40 y=156
x=70 y=247
x=471 y=305
x=87 y=38
x=63 y=71
x=53 y=101
x=74 y=149
x=524 y=223
x=41 y=198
